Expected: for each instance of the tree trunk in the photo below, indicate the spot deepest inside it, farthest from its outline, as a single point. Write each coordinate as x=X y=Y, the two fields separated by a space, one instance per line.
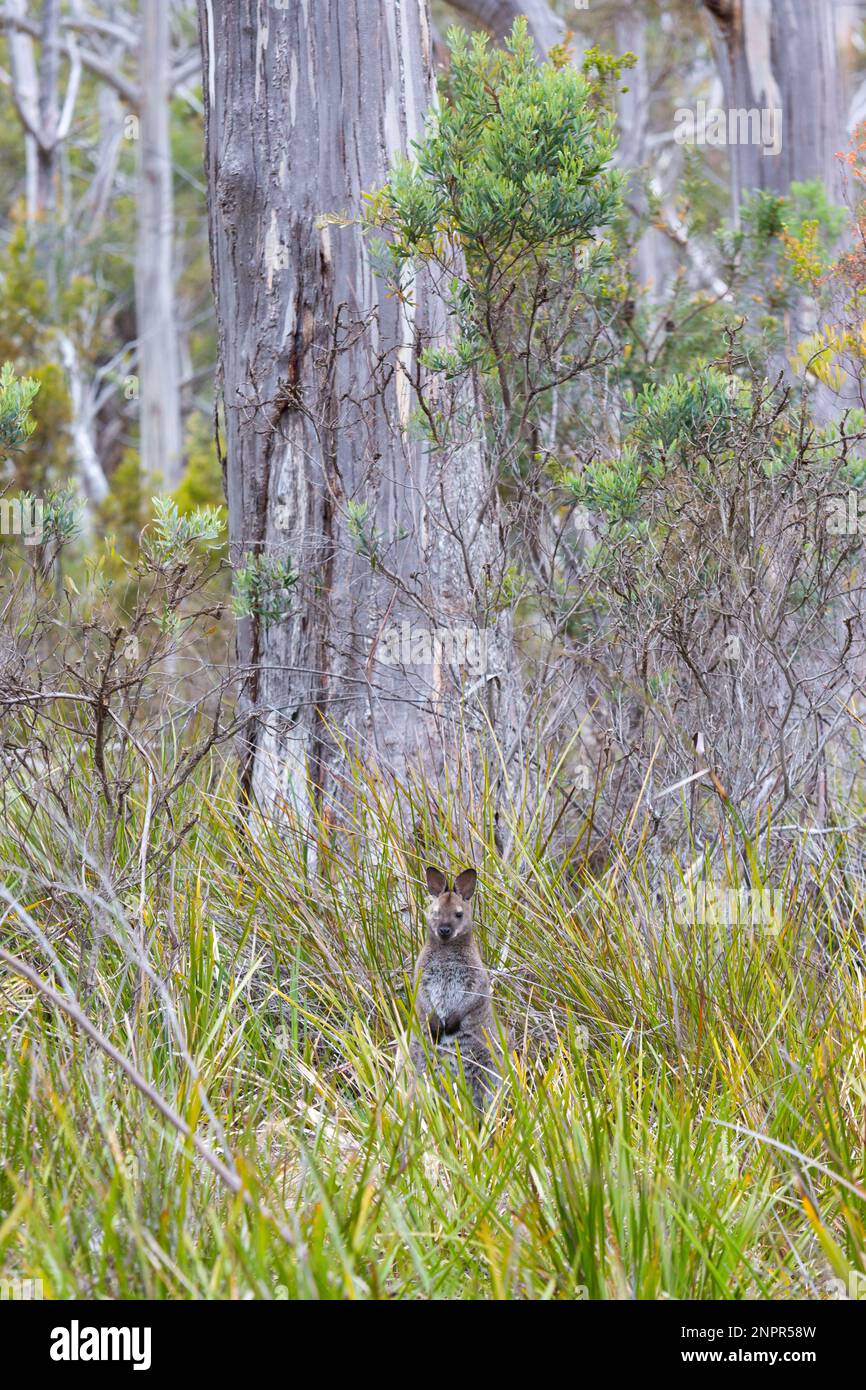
x=34 y=91
x=46 y=126
x=781 y=55
x=49 y=113
x=158 y=365
x=545 y=25
x=498 y=16
x=88 y=468
x=111 y=116
x=633 y=109
x=25 y=93
x=396 y=545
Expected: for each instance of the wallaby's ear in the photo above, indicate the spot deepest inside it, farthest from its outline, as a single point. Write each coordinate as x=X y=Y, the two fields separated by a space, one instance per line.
x=464 y=884
x=437 y=883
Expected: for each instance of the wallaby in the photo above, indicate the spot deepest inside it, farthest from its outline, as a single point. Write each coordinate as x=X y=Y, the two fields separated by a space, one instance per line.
x=452 y=991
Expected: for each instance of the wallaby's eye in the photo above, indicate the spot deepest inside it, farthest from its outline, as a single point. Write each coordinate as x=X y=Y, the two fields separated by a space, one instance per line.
x=459 y=912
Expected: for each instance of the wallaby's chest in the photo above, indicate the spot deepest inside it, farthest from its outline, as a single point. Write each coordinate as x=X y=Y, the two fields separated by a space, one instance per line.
x=450 y=983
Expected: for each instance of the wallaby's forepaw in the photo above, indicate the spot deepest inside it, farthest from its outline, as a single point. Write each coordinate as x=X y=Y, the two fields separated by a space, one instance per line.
x=451 y=1024
x=436 y=1026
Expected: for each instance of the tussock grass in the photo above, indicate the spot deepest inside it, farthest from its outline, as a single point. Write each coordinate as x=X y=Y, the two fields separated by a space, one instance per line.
x=683 y=1114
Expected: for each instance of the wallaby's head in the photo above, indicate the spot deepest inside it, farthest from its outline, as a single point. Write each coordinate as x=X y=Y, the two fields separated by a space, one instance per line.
x=449 y=915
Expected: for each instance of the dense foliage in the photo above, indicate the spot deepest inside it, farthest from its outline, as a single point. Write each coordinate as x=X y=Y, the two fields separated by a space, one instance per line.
x=680 y=469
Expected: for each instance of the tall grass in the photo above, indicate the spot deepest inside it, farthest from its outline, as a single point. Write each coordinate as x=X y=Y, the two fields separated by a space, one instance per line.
x=682 y=1115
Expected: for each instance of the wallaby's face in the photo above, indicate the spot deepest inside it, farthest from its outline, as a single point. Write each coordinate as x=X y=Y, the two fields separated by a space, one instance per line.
x=449 y=915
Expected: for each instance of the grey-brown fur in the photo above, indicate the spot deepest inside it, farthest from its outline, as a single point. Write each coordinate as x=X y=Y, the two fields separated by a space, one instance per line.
x=452 y=991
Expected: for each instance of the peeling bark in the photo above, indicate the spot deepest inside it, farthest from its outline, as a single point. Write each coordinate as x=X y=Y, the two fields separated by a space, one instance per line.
x=307 y=106
x=782 y=53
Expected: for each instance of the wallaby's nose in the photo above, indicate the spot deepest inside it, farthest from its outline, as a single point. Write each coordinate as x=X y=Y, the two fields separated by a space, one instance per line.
x=444 y=932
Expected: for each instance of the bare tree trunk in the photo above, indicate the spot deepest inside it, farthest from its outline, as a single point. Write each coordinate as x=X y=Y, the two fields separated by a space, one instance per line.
x=307 y=106
x=111 y=117
x=781 y=55
x=87 y=465
x=159 y=402
x=49 y=115
x=545 y=25
x=46 y=125
x=25 y=93
x=498 y=16
x=34 y=90
x=633 y=102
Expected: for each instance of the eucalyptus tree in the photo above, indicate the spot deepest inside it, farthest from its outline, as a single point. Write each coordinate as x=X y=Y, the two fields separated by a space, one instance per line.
x=160 y=420
x=35 y=52
x=138 y=66
x=781 y=56
x=364 y=520
x=35 y=85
